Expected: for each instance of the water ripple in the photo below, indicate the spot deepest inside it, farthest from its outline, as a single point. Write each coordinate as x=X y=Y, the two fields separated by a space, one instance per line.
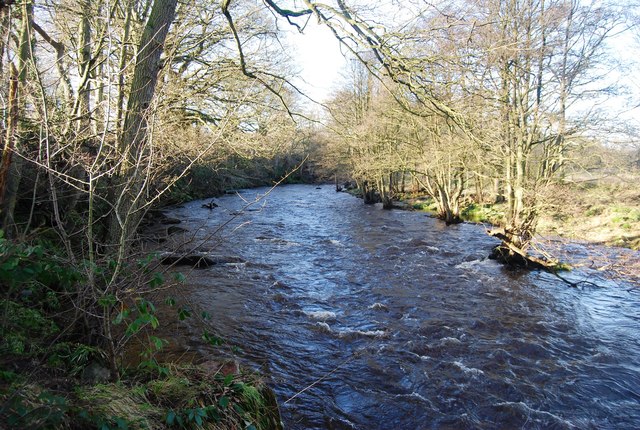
x=396 y=321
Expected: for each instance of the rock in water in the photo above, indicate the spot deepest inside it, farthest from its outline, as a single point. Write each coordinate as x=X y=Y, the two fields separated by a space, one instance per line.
x=197 y=260
x=175 y=230
x=211 y=205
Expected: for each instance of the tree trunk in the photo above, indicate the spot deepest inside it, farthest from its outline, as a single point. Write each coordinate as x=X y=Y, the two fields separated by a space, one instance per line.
x=368 y=193
x=11 y=169
x=479 y=189
x=145 y=78
x=128 y=195
x=8 y=187
x=4 y=31
x=133 y=145
x=124 y=58
x=498 y=193
x=83 y=104
x=450 y=210
x=386 y=192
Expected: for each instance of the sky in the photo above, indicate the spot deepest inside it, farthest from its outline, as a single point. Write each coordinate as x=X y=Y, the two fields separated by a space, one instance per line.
x=320 y=61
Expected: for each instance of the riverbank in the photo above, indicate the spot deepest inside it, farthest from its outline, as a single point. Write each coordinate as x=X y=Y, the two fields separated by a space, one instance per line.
x=182 y=396
x=172 y=371
x=600 y=214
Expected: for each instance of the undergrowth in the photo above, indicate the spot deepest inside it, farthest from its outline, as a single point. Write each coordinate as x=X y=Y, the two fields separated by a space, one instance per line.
x=53 y=376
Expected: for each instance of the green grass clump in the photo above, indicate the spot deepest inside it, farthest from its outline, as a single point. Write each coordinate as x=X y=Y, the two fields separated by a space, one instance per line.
x=482 y=213
x=190 y=397
x=595 y=211
x=426 y=206
x=172 y=389
x=118 y=406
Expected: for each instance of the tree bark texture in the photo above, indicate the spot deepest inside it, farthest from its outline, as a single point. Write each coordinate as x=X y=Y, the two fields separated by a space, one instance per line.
x=11 y=170
x=134 y=140
x=145 y=77
x=6 y=165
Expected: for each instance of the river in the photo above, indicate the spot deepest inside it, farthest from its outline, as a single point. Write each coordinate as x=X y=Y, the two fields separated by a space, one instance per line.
x=370 y=319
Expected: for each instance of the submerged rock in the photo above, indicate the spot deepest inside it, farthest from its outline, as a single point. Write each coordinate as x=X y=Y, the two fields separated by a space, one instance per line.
x=168 y=221
x=210 y=205
x=174 y=230
x=197 y=260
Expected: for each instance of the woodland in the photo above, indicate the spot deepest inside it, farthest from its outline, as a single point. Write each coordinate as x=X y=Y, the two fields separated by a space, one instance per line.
x=109 y=110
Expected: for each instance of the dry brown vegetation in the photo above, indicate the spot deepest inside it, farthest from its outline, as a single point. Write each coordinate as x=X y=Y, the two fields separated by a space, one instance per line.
x=601 y=213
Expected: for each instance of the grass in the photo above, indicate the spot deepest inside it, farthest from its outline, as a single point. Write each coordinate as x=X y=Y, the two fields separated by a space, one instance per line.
x=190 y=396
x=483 y=213
x=472 y=212
x=425 y=206
x=607 y=214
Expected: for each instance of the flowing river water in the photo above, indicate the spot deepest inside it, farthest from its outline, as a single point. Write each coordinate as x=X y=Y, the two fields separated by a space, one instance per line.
x=370 y=319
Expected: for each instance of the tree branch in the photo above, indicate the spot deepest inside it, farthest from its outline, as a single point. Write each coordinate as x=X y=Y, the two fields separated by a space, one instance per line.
x=243 y=63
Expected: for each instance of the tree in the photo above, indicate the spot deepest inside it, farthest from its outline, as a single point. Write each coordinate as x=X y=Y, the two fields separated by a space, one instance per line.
x=440 y=160
x=11 y=165
x=540 y=58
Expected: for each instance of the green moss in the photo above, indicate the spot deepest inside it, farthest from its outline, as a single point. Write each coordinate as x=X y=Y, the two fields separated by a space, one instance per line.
x=562 y=267
x=594 y=211
x=357 y=192
x=621 y=209
x=482 y=213
x=426 y=206
x=618 y=219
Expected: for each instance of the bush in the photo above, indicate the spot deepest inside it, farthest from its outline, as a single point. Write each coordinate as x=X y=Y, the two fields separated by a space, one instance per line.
x=32 y=281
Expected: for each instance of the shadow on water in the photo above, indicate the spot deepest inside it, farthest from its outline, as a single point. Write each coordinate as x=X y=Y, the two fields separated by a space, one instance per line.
x=365 y=318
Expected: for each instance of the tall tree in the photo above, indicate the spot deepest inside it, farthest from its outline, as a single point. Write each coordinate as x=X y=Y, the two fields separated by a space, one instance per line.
x=11 y=165
x=133 y=143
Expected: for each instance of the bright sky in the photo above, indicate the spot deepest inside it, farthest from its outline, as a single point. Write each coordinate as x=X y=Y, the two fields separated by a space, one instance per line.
x=319 y=59
x=320 y=62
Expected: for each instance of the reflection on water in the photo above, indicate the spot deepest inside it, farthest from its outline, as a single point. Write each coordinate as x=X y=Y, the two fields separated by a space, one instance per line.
x=374 y=319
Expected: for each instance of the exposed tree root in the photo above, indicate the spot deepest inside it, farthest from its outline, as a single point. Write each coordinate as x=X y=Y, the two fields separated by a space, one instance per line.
x=512 y=255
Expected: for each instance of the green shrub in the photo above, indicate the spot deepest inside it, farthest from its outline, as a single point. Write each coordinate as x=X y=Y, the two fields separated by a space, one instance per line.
x=31 y=407
x=24 y=329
